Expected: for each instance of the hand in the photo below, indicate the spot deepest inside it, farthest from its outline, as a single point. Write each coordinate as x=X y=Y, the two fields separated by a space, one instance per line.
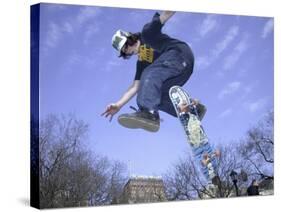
x=183 y=107
x=111 y=110
x=165 y=16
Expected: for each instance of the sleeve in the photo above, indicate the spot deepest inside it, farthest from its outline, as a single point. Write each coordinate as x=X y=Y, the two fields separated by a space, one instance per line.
x=154 y=26
x=139 y=70
x=152 y=30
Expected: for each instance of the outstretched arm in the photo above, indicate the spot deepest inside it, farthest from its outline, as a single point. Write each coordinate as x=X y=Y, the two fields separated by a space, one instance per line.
x=165 y=16
x=113 y=108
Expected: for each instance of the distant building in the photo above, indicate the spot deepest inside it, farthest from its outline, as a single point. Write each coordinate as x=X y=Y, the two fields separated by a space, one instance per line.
x=142 y=190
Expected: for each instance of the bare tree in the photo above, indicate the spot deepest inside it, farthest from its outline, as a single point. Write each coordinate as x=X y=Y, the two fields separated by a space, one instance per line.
x=257 y=148
x=59 y=140
x=186 y=181
x=229 y=161
x=108 y=181
x=116 y=182
x=71 y=175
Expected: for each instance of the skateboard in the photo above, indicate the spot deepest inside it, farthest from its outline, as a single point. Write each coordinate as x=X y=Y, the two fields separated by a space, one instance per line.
x=203 y=152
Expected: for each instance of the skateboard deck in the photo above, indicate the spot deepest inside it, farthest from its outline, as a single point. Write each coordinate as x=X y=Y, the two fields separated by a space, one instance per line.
x=196 y=136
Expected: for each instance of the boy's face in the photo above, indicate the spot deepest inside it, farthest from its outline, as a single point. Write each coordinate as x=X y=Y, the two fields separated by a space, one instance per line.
x=131 y=50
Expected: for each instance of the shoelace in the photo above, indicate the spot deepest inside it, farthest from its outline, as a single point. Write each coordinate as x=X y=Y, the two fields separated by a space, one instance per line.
x=133 y=108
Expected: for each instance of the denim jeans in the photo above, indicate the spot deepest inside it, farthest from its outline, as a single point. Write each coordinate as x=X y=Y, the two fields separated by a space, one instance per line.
x=170 y=68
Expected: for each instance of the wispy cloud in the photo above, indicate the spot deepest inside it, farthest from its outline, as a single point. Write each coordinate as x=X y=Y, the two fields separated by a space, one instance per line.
x=76 y=62
x=54 y=34
x=178 y=21
x=208 y=24
x=57 y=31
x=87 y=13
x=268 y=28
x=205 y=61
x=226 y=113
x=140 y=16
x=237 y=52
x=256 y=105
x=224 y=43
x=54 y=7
x=248 y=89
x=67 y=27
x=229 y=89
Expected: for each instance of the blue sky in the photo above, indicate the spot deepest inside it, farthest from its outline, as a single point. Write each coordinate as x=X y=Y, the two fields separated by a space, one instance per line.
x=80 y=73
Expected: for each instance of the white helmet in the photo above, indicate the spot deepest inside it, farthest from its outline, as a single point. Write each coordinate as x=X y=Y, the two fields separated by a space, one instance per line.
x=119 y=39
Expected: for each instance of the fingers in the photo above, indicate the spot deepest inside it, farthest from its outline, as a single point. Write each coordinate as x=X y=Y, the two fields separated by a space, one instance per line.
x=108 y=113
x=103 y=113
x=107 y=110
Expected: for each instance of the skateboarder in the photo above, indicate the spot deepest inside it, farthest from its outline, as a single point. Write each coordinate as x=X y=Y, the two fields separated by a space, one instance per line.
x=162 y=63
